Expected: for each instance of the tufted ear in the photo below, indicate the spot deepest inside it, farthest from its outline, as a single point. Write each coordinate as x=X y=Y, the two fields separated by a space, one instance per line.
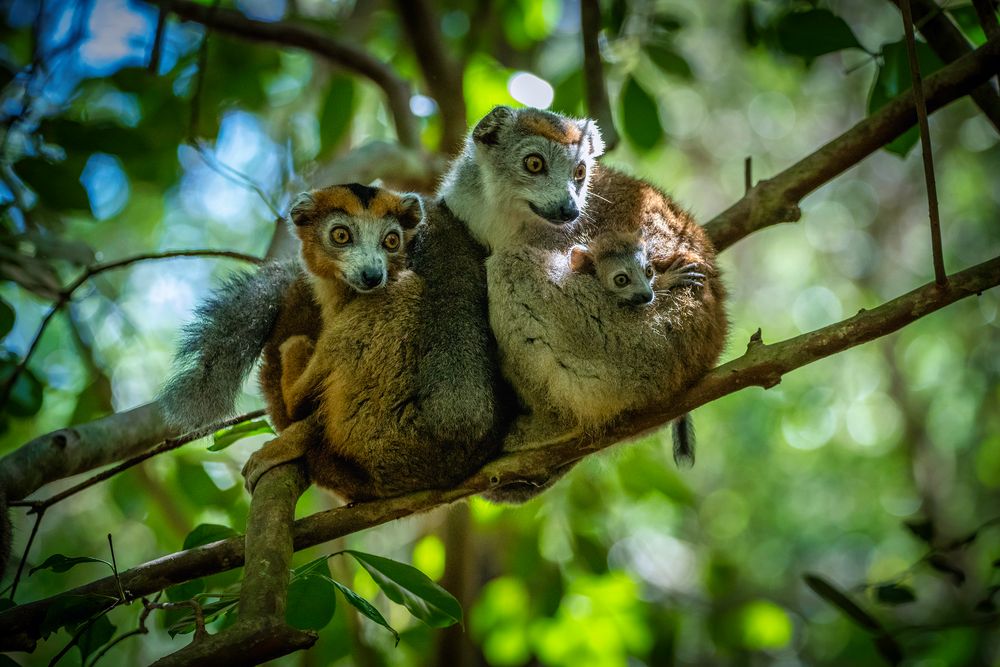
x=411 y=210
x=303 y=209
x=581 y=260
x=593 y=143
x=487 y=130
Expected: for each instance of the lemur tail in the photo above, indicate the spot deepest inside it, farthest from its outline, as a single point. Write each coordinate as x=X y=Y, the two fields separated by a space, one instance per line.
x=219 y=348
x=684 y=442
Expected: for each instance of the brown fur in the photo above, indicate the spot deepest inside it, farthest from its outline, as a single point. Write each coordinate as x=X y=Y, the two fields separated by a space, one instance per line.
x=551 y=127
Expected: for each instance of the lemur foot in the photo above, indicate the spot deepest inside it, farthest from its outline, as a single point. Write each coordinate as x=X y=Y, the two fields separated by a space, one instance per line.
x=289 y=446
x=538 y=433
x=680 y=273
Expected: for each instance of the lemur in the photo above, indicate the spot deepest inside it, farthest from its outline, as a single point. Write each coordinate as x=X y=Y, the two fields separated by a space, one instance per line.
x=353 y=393
x=576 y=359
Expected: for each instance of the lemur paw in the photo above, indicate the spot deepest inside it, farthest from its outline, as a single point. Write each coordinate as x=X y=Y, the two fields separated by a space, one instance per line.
x=255 y=467
x=681 y=273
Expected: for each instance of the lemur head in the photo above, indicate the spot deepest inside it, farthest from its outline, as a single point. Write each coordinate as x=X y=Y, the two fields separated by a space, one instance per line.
x=534 y=169
x=621 y=263
x=355 y=233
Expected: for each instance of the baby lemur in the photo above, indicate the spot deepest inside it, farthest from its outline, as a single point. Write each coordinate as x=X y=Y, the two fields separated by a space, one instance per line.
x=353 y=395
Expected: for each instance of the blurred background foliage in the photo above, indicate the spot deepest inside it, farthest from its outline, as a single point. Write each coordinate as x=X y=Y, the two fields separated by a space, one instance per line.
x=876 y=471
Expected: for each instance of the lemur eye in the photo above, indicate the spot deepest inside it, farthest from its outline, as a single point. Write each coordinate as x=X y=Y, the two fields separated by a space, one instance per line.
x=622 y=280
x=341 y=235
x=534 y=163
x=391 y=242
x=580 y=172
x=649 y=271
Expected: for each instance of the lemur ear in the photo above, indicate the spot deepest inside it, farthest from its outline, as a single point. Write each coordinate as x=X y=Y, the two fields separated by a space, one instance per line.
x=580 y=259
x=411 y=210
x=303 y=209
x=487 y=131
x=592 y=140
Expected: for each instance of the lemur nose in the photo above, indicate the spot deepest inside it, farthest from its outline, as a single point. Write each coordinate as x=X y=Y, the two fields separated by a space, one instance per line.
x=642 y=298
x=371 y=278
x=568 y=211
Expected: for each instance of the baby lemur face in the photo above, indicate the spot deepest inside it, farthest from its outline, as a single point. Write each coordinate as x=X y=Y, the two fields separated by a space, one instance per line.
x=355 y=233
x=622 y=266
x=536 y=162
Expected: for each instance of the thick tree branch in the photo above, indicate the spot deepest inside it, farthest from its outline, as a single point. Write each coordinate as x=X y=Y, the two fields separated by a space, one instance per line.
x=442 y=74
x=948 y=42
x=345 y=56
x=593 y=72
x=762 y=365
x=776 y=199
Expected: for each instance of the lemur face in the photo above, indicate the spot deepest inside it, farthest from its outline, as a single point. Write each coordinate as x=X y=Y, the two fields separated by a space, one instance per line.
x=626 y=273
x=538 y=161
x=355 y=233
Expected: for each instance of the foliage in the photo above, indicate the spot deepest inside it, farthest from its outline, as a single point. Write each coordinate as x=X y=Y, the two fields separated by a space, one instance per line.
x=829 y=520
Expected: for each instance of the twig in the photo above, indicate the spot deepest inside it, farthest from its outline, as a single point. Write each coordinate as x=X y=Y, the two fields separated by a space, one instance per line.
x=747 y=174
x=67 y=293
x=24 y=556
x=940 y=277
x=776 y=199
x=234 y=175
x=154 y=55
x=593 y=72
x=39 y=506
x=140 y=630
x=763 y=365
x=114 y=569
x=199 y=81
x=987 y=15
x=199 y=613
x=350 y=58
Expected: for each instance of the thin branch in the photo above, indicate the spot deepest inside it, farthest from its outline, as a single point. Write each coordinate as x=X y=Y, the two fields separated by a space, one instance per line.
x=154 y=56
x=67 y=293
x=234 y=175
x=776 y=199
x=593 y=72
x=199 y=82
x=762 y=365
x=292 y=35
x=747 y=174
x=442 y=74
x=948 y=42
x=24 y=556
x=925 y=145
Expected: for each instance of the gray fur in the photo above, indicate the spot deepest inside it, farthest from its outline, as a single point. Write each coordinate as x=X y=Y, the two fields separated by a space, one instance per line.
x=219 y=348
x=626 y=274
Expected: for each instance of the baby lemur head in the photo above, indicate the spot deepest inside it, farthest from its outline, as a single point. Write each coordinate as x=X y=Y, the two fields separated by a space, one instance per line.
x=533 y=169
x=355 y=233
x=621 y=263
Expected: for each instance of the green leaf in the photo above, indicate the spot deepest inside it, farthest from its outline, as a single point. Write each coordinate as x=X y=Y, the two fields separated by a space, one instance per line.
x=312 y=601
x=968 y=20
x=233 y=434
x=831 y=594
x=26 y=396
x=185 y=591
x=97 y=635
x=894 y=594
x=6 y=661
x=67 y=611
x=337 y=112
x=365 y=607
x=206 y=533
x=211 y=611
x=668 y=60
x=60 y=563
x=315 y=566
x=945 y=566
x=640 y=116
x=893 y=78
x=56 y=184
x=6 y=318
x=813 y=33
x=408 y=586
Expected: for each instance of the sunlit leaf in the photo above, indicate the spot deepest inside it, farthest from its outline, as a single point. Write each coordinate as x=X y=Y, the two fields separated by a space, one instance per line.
x=640 y=116
x=813 y=33
x=835 y=597
x=968 y=20
x=60 y=563
x=408 y=586
x=207 y=533
x=365 y=607
x=97 y=635
x=894 y=594
x=234 y=434
x=312 y=601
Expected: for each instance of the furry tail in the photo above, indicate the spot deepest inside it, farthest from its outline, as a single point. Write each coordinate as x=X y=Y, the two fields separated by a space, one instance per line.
x=219 y=348
x=684 y=443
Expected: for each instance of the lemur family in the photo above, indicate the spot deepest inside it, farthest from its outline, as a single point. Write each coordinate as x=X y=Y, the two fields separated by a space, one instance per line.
x=538 y=295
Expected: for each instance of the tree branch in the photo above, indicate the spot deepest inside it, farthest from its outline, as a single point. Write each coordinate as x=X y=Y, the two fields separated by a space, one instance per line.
x=441 y=73
x=593 y=72
x=948 y=42
x=345 y=56
x=987 y=14
x=762 y=365
x=776 y=199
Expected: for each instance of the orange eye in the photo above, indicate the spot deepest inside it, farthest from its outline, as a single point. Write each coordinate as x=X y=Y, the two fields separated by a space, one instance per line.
x=391 y=242
x=649 y=271
x=622 y=280
x=341 y=235
x=534 y=163
x=581 y=172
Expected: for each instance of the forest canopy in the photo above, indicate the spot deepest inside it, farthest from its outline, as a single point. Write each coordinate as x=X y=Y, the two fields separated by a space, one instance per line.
x=849 y=514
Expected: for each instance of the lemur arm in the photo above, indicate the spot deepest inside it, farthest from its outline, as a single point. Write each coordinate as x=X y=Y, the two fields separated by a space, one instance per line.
x=301 y=375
